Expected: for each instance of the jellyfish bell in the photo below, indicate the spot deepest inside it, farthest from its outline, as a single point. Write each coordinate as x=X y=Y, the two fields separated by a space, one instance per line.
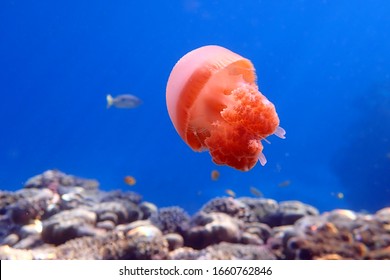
x=214 y=104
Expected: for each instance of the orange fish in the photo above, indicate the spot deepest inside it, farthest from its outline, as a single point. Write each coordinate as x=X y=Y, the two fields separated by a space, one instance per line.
x=130 y=180
x=215 y=175
x=215 y=104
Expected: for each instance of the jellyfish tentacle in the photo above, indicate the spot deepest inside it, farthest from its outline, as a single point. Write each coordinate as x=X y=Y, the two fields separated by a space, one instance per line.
x=280 y=132
x=262 y=159
x=265 y=140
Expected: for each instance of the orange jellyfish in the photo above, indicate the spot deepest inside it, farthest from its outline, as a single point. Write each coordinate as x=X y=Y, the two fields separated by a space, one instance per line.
x=215 y=104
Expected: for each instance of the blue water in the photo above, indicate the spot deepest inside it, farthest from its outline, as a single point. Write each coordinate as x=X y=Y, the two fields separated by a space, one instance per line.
x=324 y=64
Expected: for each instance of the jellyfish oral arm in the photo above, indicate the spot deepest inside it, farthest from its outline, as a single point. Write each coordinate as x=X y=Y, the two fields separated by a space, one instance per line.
x=235 y=138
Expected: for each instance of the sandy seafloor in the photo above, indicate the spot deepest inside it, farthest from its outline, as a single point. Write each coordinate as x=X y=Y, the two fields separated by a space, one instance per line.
x=62 y=216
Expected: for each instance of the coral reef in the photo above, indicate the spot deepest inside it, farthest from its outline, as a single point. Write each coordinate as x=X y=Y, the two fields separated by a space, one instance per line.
x=60 y=216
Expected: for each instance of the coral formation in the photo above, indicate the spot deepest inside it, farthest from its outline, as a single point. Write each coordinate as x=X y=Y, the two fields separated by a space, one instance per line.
x=171 y=219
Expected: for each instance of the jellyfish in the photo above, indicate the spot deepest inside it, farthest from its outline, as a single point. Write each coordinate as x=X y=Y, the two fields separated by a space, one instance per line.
x=214 y=104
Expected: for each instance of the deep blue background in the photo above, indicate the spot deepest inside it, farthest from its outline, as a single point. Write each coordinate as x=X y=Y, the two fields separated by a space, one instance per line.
x=324 y=64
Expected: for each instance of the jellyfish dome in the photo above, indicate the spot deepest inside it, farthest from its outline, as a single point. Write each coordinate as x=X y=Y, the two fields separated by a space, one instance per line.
x=215 y=104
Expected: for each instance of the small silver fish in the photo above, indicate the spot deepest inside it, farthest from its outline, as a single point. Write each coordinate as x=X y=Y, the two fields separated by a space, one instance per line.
x=126 y=101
